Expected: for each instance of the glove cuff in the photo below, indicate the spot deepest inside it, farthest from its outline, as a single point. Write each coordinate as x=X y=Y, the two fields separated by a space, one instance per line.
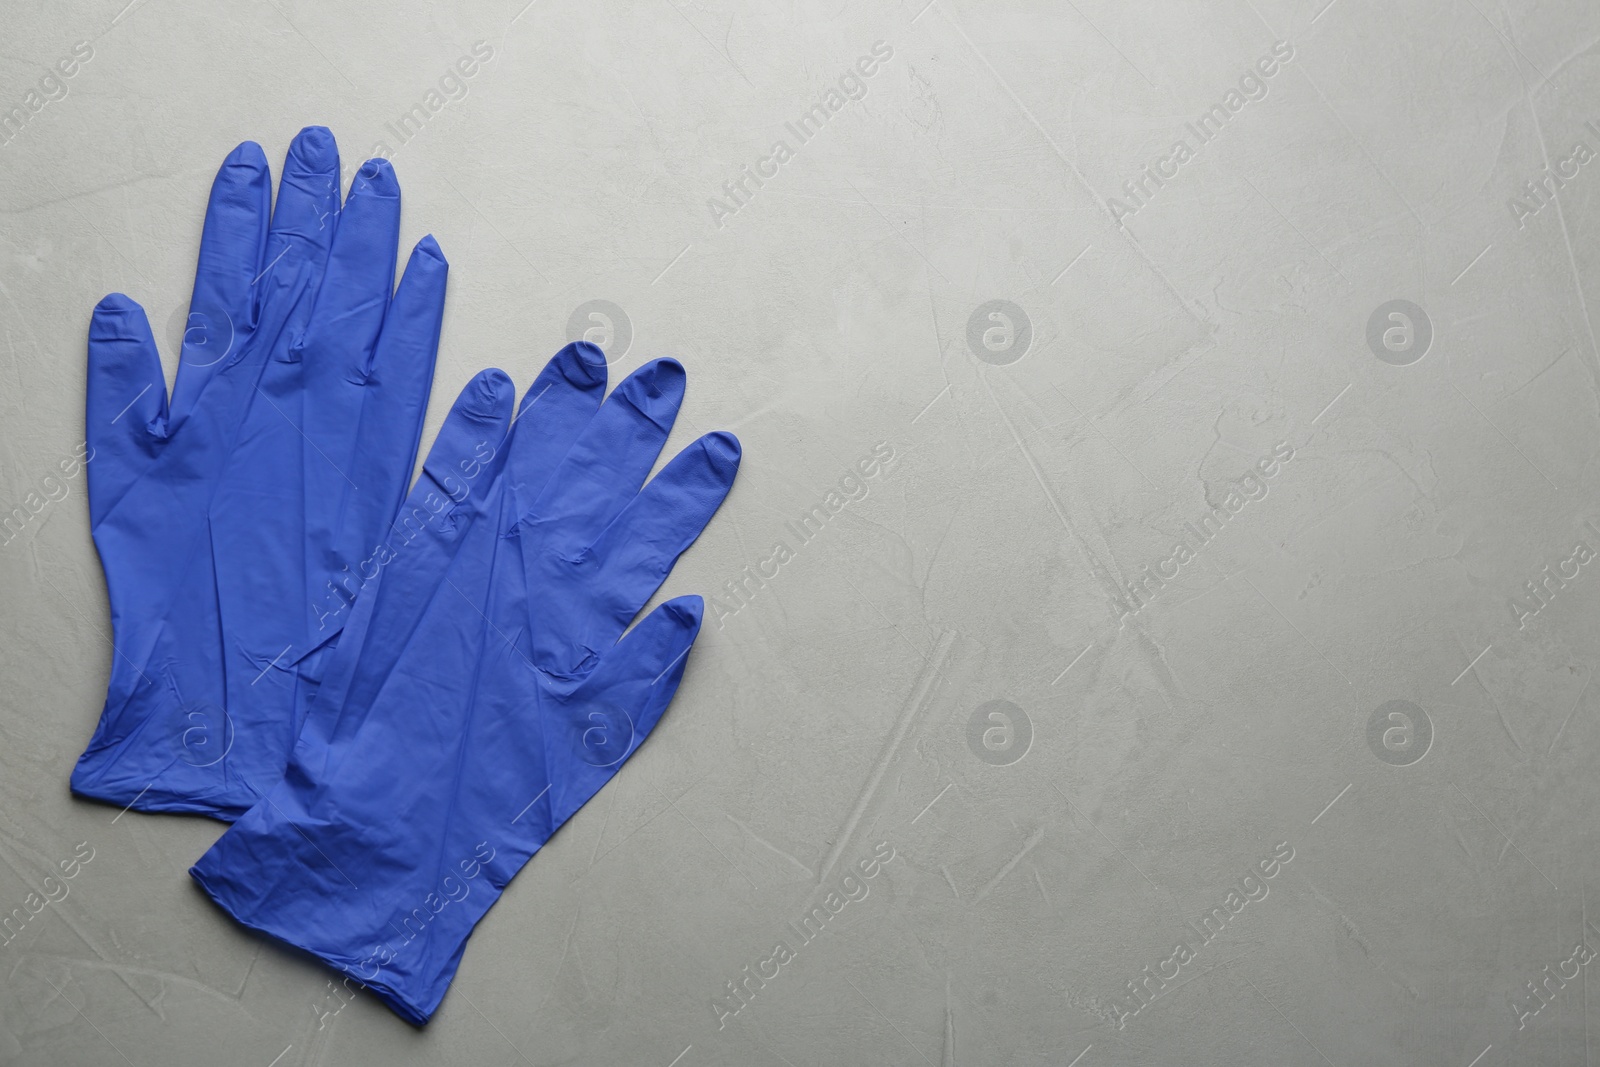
x=276 y=876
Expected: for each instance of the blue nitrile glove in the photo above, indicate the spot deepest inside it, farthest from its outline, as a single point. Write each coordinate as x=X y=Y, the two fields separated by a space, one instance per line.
x=512 y=703
x=236 y=525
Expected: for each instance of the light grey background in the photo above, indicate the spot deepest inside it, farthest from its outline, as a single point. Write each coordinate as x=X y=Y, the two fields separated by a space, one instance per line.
x=1145 y=761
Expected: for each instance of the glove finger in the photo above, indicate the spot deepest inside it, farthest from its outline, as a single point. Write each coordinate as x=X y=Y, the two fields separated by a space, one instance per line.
x=222 y=310
x=632 y=557
x=642 y=672
x=605 y=722
x=469 y=449
x=188 y=468
x=383 y=441
x=423 y=534
x=125 y=416
x=354 y=297
x=307 y=211
x=412 y=558
x=610 y=460
x=553 y=412
x=557 y=406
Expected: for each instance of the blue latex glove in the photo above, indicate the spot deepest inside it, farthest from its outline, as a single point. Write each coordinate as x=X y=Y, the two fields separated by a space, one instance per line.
x=511 y=704
x=235 y=525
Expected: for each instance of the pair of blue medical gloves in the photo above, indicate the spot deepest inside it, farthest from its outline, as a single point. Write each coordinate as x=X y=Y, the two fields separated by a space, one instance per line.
x=395 y=696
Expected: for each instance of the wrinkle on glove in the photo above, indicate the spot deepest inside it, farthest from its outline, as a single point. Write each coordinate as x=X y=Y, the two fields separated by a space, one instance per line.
x=233 y=523
x=514 y=696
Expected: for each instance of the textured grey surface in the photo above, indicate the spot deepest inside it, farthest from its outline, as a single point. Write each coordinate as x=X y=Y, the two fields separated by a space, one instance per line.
x=1142 y=759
